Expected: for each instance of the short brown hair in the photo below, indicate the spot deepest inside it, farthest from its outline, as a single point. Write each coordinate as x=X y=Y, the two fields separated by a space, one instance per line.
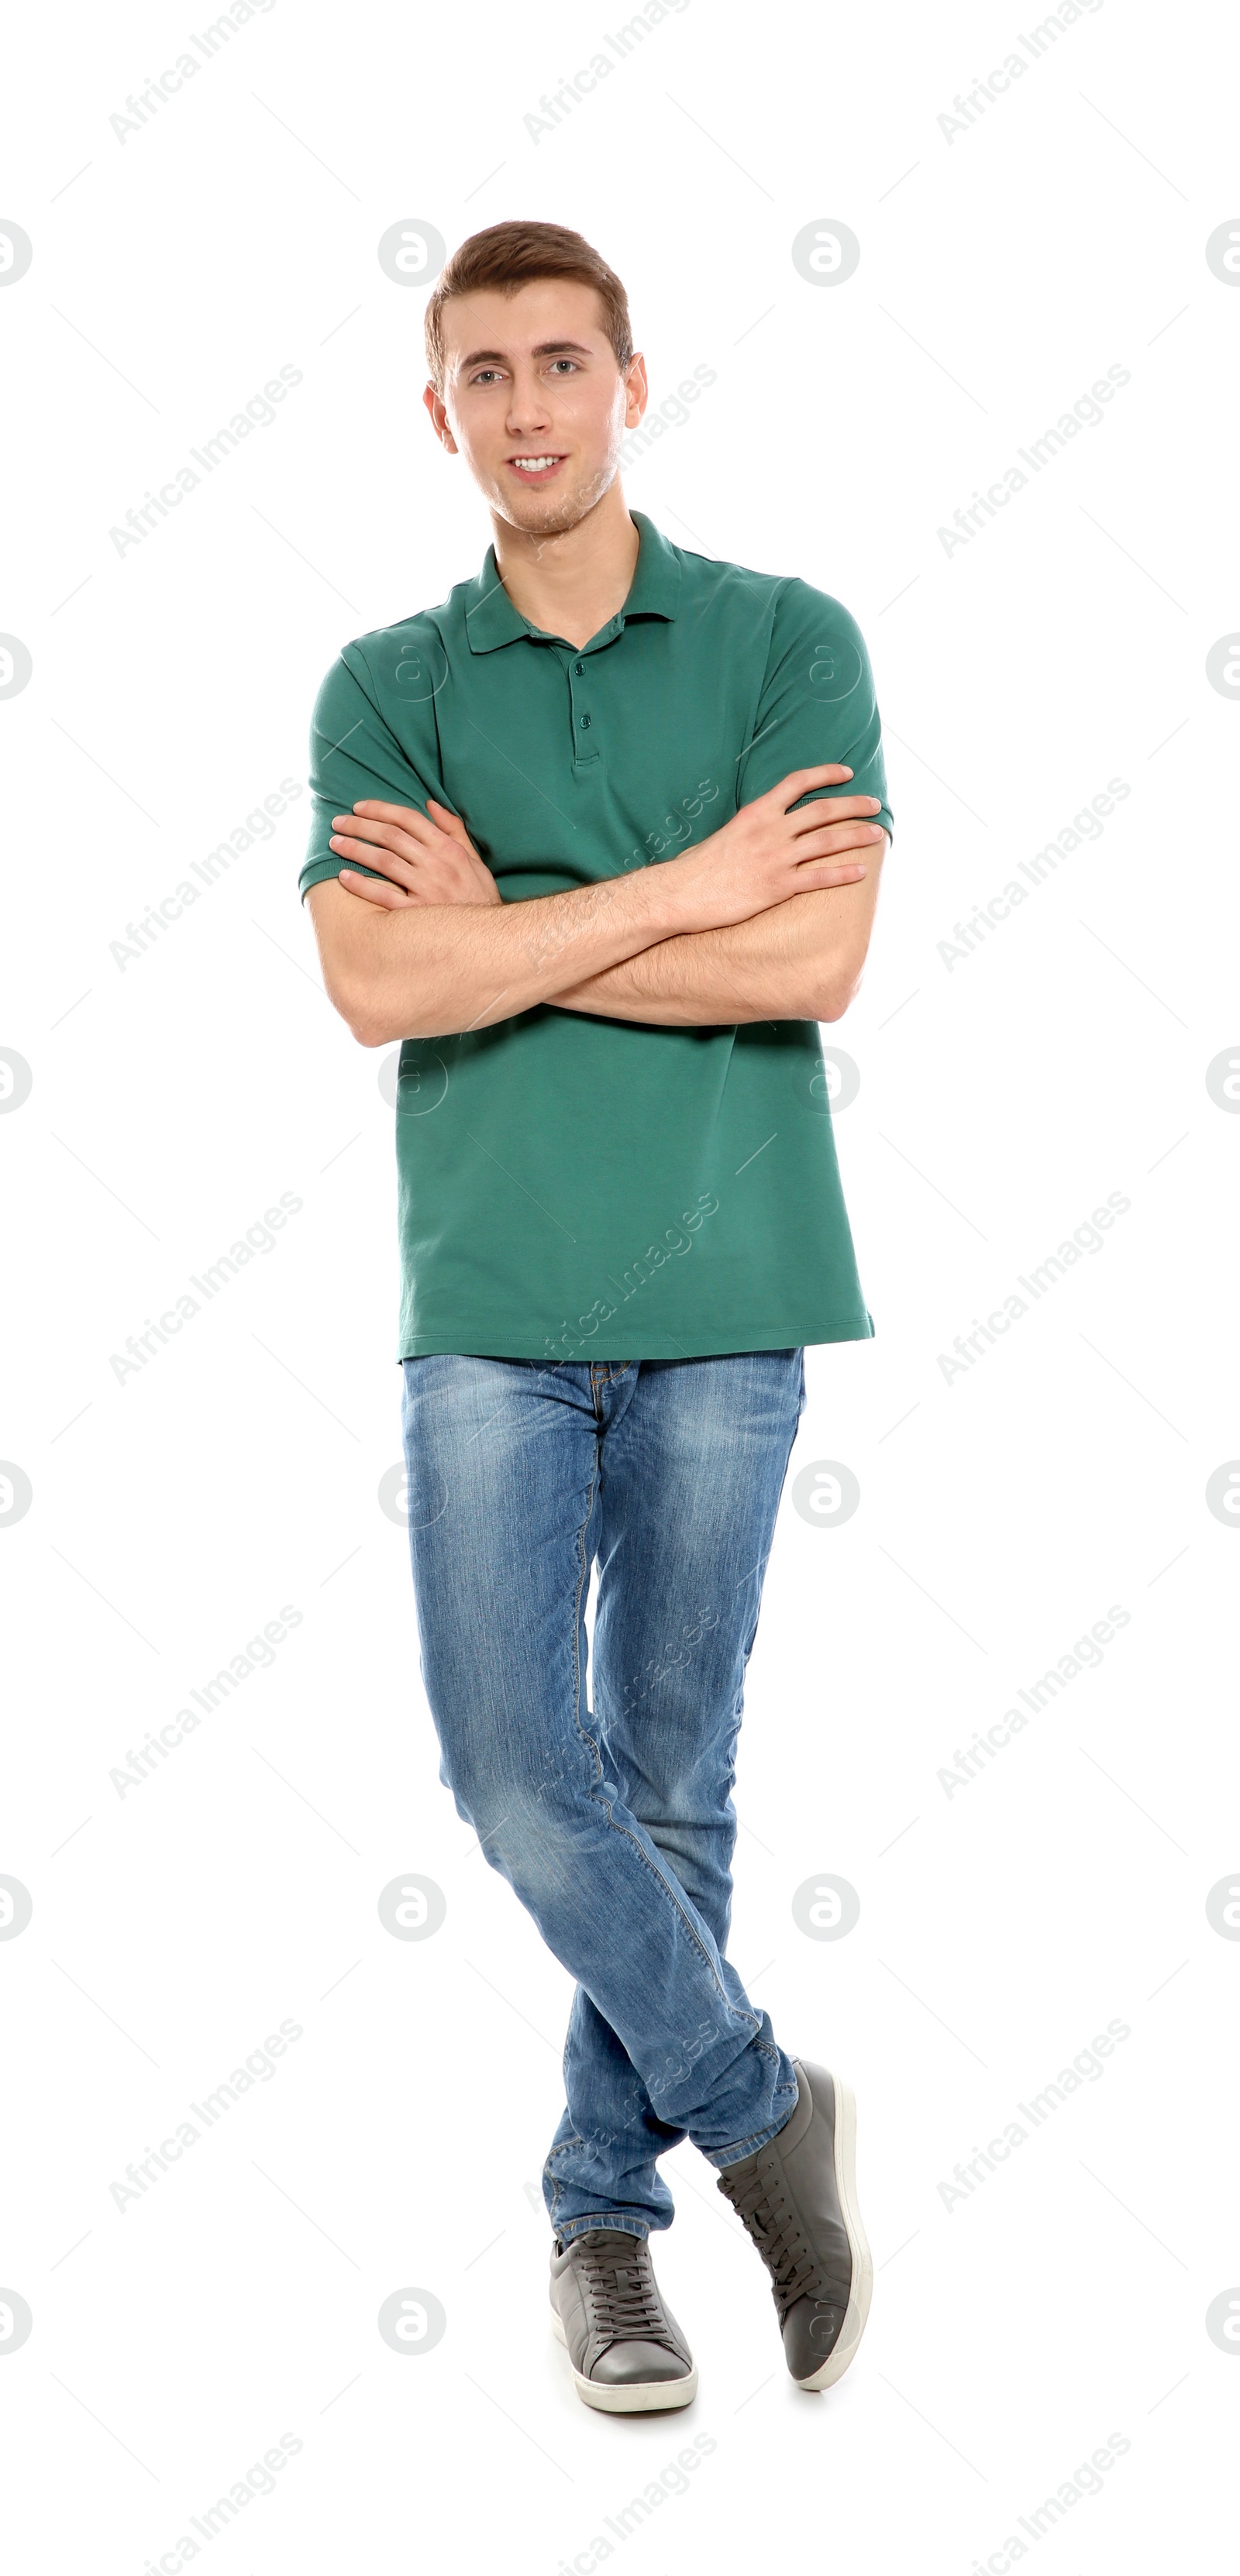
x=508 y=256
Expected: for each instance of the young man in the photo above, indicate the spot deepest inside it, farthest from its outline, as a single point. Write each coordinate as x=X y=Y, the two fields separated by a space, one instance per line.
x=598 y=839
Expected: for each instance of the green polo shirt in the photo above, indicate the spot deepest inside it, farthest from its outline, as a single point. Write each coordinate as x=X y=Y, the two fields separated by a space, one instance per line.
x=572 y=1187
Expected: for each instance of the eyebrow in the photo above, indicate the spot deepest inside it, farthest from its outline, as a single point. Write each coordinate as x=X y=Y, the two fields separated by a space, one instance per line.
x=545 y=349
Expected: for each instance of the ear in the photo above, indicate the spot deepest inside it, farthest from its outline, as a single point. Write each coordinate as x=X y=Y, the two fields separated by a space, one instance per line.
x=636 y=390
x=439 y=420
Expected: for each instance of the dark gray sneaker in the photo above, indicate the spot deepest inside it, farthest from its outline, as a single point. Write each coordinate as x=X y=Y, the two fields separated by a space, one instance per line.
x=798 y=2199
x=627 y=2351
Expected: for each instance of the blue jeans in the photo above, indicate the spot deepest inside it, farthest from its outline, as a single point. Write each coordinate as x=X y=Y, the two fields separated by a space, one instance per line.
x=614 y=1824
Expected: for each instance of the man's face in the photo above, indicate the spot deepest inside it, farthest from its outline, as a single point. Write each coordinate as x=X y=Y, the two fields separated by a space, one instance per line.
x=534 y=401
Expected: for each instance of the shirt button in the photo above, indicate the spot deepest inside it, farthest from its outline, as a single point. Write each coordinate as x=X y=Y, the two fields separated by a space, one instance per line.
x=580 y=668
x=585 y=723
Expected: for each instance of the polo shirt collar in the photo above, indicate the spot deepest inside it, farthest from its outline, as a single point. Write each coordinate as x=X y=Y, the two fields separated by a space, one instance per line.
x=655 y=587
x=491 y=618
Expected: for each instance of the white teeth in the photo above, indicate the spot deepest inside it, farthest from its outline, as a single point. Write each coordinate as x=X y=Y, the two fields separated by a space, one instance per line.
x=532 y=464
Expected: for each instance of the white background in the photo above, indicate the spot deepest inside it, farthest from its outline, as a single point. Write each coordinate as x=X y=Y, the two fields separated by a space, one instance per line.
x=1002 y=1513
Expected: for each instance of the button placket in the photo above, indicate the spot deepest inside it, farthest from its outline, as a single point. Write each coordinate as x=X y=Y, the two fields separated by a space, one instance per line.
x=581 y=718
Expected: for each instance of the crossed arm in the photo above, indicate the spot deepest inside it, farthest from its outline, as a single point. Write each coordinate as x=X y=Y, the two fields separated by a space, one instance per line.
x=801 y=960
x=721 y=936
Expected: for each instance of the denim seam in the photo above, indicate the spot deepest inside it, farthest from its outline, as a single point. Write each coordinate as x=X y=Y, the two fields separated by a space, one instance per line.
x=599 y=2218
x=741 y=2147
x=557 y=2186
x=669 y=1892
x=587 y=1739
x=582 y=1579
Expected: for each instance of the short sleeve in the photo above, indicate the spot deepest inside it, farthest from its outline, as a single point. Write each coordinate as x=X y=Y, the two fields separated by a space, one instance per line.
x=817 y=703
x=353 y=754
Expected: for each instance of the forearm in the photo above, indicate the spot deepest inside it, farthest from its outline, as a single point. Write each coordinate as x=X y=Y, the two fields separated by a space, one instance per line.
x=795 y=962
x=401 y=961
x=437 y=969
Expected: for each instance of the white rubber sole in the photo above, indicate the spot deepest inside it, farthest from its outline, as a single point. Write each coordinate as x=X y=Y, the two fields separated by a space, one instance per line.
x=657 y=2394
x=862 y=2290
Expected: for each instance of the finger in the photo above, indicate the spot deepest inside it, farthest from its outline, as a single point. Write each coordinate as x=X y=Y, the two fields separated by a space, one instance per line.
x=819 y=873
x=390 y=862
x=827 y=840
x=451 y=824
x=378 y=842
x=842 y=809
x=390 y=824
x=829 y=774
x=374 y=890
x=387 y=836
x=407 y=817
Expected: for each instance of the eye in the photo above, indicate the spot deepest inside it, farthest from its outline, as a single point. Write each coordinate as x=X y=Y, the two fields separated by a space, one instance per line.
x=485 y=375
x=570 y=363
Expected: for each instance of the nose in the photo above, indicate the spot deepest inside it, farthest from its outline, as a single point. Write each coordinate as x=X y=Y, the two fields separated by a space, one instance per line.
x=527 y=404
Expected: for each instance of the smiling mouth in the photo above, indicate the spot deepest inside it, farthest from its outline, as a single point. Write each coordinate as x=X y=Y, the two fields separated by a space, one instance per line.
x=534 y=469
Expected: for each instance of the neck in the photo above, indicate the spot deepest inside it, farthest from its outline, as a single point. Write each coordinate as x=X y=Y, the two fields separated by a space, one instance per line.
x=572 y=582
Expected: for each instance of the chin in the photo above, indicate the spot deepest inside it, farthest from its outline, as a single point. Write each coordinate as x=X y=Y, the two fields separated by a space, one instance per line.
x=552 y=514
x=549 y=517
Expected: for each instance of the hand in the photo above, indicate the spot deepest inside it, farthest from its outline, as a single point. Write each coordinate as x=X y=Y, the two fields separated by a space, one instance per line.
x=765 y=854
x=425 y=858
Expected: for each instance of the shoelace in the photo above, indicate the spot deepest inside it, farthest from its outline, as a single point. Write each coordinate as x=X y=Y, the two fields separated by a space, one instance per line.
x=766 y=2211
x=621 y=2294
